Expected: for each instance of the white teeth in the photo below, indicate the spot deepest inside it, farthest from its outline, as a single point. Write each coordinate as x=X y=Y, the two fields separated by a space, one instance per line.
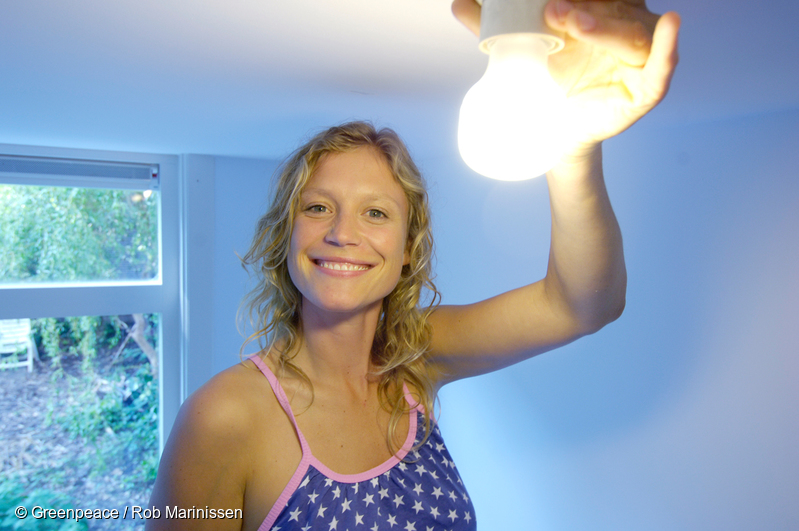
x=340 y=266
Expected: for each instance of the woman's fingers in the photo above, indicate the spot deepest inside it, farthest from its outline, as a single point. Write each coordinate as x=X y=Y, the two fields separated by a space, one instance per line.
x=663 y=58
x=468 y=12
x=622 y=28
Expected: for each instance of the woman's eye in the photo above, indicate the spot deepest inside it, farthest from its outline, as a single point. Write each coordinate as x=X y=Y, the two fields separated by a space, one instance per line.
x=317 y=209
x=374 y=213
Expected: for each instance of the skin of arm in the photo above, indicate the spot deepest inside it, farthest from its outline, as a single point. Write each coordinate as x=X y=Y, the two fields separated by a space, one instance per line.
x=617 y=65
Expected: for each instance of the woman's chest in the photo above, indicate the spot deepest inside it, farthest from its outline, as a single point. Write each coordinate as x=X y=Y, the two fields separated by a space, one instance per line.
x=337 y=439
x=352 y=438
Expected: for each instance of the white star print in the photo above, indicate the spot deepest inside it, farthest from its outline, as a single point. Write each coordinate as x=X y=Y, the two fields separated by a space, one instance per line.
x=399 y=482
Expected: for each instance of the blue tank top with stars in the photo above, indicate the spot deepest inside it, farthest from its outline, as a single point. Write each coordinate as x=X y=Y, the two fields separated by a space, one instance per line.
x=415 y=490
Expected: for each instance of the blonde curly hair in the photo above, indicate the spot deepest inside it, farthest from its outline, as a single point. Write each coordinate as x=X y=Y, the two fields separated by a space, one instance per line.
x=403 y=333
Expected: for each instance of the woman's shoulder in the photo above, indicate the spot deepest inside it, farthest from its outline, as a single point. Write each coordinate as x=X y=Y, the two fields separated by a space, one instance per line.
x=221 y=438
x=231 y=401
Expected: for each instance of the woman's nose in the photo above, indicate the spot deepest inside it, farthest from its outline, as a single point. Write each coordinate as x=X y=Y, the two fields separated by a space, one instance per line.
x=343 y=231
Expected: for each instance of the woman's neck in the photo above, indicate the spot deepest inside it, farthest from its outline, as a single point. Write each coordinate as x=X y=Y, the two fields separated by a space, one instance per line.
x=336 y=347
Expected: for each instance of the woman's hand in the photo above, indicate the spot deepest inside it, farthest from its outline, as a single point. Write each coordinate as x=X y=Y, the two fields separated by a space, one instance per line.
x=616 y=65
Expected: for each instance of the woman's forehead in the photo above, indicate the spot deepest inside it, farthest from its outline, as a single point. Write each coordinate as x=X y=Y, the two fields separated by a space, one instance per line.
x=363 y=170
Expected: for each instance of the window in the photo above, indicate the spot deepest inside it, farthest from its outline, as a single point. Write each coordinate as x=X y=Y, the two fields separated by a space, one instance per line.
x=142 y=278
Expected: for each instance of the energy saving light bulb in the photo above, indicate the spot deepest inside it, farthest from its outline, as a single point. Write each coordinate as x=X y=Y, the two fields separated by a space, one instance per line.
x=513 y=122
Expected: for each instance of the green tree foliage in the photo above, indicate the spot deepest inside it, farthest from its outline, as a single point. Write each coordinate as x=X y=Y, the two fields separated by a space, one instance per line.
x=74 y=234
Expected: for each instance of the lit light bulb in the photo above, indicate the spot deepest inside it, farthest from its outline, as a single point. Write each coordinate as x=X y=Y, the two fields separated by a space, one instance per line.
x=513 y=121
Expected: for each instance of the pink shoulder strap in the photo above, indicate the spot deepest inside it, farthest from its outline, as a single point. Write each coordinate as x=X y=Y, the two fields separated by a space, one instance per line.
x=282 y=399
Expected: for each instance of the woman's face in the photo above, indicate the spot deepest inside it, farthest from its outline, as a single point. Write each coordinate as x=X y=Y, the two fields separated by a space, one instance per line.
x=349 y=241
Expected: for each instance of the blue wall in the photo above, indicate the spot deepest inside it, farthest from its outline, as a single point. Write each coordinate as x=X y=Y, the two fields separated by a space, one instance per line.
x=682 y=414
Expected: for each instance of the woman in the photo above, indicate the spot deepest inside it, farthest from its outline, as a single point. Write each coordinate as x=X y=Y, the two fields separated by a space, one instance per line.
x=326 y=428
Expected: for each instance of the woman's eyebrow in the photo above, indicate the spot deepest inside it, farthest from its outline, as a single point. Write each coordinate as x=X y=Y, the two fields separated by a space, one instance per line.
x=382 y=197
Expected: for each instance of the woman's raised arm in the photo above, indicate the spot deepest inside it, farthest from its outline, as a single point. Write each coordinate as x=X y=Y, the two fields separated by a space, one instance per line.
x=617 y=65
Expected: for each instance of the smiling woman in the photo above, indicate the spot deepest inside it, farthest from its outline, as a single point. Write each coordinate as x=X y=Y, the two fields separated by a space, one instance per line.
x=354 y=196
x=330 y=424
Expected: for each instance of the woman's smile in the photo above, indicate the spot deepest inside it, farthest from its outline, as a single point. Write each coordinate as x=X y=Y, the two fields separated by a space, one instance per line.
x=334 y=265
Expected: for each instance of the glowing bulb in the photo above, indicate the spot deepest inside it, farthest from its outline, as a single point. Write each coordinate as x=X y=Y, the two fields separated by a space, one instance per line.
x=513 y=121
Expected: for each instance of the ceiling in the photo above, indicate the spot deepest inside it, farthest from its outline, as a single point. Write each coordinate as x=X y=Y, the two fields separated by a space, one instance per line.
x=253 y=77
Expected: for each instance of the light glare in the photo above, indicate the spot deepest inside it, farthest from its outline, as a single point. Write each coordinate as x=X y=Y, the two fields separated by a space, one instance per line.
x=512 y=122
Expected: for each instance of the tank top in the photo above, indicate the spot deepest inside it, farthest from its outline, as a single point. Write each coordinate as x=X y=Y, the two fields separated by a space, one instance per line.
x=414 y=490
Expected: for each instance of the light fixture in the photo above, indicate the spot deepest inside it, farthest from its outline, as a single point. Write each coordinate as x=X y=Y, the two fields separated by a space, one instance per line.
x=513 y=122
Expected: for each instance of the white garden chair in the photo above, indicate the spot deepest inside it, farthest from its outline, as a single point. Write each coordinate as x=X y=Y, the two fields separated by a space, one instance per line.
x=16 y=337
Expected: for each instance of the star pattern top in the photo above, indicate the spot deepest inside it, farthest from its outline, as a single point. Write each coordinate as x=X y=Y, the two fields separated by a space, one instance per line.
x=415 y=490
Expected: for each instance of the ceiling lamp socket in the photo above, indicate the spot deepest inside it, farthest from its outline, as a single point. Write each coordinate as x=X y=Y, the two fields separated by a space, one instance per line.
x=502 y=17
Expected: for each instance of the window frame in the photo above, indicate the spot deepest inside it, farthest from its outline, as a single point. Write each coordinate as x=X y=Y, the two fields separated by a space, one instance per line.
x=164 y=295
